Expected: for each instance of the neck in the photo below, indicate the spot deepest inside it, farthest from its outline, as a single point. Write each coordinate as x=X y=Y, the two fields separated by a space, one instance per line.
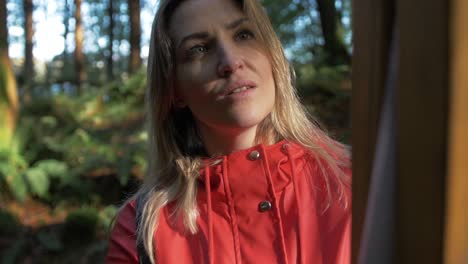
x=221 y=142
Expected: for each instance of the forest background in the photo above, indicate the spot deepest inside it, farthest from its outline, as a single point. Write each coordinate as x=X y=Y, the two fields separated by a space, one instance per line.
x=72 y=129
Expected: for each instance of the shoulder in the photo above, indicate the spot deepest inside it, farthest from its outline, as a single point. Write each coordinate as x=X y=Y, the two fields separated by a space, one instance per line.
x=122 y=241
x=127 y=213
x=337 y=215
x=331 y=187
x=331 y=180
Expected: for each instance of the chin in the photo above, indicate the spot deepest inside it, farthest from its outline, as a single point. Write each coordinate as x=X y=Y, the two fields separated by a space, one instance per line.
x=246 y=120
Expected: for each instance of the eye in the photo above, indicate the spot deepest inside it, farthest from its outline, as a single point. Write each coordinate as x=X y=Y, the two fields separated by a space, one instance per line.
x=245 y=35
x=197 y=50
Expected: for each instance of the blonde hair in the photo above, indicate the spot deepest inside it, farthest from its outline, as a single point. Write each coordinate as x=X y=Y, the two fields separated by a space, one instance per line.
x=175 y=148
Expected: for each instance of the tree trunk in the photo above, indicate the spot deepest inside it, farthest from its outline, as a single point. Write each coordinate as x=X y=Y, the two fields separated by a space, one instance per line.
x=66 y=18
x=8 y=92
x=3 y=28
x=28 y=50
x=135 y=32
x=79 y=56
x=334 y=46
x=110 y=62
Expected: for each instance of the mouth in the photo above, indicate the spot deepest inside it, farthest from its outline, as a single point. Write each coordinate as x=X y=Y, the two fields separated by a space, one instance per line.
x=240 y=89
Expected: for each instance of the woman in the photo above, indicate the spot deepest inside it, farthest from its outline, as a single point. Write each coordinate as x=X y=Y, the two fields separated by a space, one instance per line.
x=237 y=172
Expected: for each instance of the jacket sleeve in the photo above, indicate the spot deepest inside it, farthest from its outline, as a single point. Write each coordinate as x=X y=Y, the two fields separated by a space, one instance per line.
x=337 y=242
x=335 y=225
x=122 y=241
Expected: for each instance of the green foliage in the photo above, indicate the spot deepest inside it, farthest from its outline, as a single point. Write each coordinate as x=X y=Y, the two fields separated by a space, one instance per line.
x=3 y=83
x=62 y=139
x=299 y=27
x=14 y=251
x=50 y=240
x=106 y=217
x=10 y=227
x=9 y=224
x=12 y=166
x=81 y=226
x=329 y=78
x=52 y=168
x=38 y=181
x=21 y=178
x=84 y=235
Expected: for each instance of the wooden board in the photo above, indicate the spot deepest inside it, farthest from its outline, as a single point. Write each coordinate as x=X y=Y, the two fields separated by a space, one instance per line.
x=456 y=236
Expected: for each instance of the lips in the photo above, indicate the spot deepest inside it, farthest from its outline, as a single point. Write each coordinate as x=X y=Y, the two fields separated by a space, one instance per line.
x=238 y=90
x=237 y=87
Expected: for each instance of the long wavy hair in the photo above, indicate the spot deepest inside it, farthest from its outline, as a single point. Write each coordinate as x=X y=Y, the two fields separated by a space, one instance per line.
x=175 y=146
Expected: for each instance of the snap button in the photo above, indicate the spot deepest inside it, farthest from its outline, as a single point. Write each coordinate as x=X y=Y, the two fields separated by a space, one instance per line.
x=285 y=147
x=264 y=206
x=254 y=155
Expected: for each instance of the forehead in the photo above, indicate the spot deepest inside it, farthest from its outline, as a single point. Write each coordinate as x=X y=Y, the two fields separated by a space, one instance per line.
x=202 y=15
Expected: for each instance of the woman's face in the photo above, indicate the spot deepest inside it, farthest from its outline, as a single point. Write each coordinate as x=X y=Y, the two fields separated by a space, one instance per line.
x=222 y=71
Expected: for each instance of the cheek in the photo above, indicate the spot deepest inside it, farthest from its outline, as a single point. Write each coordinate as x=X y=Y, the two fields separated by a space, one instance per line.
x=197 y=73
x=264 y=66
x=193 y=85
x=187 y=81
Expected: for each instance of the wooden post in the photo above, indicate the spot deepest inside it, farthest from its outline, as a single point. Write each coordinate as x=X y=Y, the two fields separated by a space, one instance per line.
x=421 y=120
x=456 y=237
x=422 y=108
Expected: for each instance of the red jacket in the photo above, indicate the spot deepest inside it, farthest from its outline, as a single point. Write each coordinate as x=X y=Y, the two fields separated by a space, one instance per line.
x=260 y=208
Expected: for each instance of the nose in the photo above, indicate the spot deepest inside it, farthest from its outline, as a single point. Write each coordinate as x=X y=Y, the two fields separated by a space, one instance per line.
x=230 y=60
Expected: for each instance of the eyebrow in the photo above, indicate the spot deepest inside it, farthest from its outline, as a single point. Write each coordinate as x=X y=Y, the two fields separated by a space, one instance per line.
x=204 y=35
x=237 y=23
